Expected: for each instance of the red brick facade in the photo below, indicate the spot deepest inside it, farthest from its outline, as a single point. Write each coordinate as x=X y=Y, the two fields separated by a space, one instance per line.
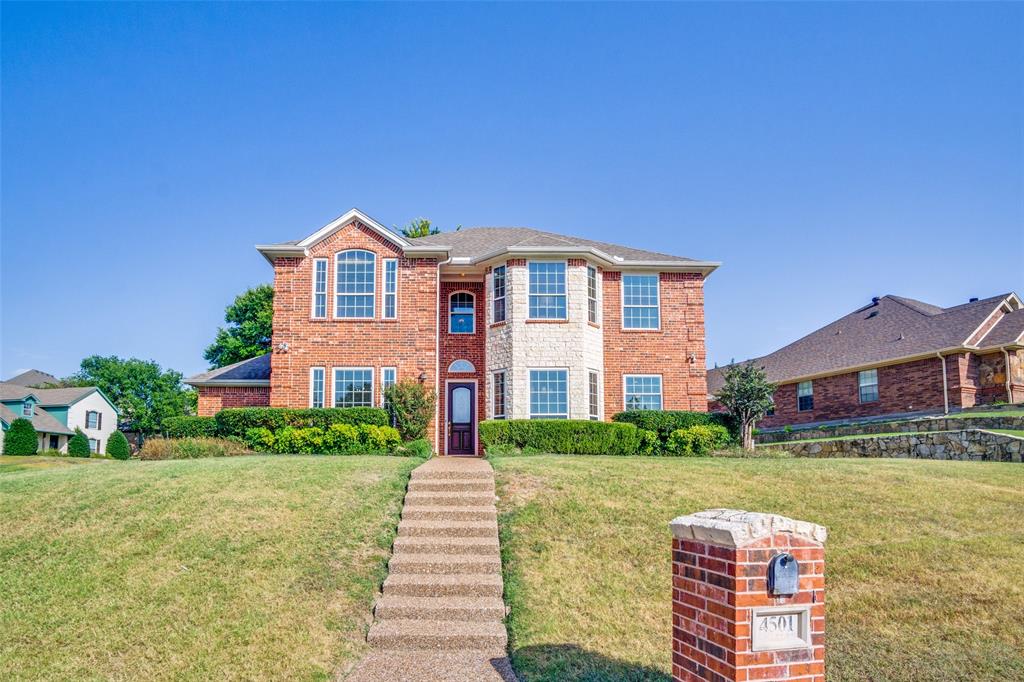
x=463 y=347
x=213 y=399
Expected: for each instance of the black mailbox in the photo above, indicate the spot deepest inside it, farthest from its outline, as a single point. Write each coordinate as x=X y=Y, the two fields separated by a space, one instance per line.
x=783 y=575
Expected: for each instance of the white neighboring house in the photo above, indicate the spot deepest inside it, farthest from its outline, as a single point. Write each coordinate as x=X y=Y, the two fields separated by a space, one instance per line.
x=57 y=412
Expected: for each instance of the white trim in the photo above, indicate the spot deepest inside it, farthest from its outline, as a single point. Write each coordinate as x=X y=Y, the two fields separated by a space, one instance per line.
x=600 y=395
x=327 y=283
x=334 y=383
x=860 y=397
x=384 y=288
x=233 y=383
x=450 y=295
x=373 y=305
x=471 y=370
x=504 y=295
x=494 y=394
x=529 y=392
x=597 y=295
x=661 y=387
x=565 y=295
x=474 y=411
x=324 y=400
x=967 y=341
x=703 y=267
x=382 y=387
x=346 y=218
x=622 y=301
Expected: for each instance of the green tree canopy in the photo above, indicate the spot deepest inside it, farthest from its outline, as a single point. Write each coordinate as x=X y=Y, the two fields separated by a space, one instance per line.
x=747 y=395
x=20 y=438
x=144 y=393
x=250 y=321
x=420 y=227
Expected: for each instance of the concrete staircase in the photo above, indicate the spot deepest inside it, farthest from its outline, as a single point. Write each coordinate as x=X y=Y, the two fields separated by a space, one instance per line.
x=442 y=611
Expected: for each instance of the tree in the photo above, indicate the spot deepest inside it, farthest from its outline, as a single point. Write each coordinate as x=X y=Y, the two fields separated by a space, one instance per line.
x=117 y=446
x=78 y=445
x=250 y=321
x=21 y=438
x=747 y=395
x=144 y=393
x=411 y=405
x=420 y=227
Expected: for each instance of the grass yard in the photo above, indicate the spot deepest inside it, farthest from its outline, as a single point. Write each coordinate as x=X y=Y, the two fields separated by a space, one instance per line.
x=923 y=573
x=228 y=568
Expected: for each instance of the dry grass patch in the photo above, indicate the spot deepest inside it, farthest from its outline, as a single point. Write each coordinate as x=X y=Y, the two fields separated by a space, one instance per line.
x=241 y=568
x=923 y=559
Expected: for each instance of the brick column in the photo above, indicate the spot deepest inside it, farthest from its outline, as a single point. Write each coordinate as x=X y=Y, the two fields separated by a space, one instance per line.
x=726 y=624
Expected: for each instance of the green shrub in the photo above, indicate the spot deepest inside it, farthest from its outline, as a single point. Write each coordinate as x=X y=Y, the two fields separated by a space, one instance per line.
x=650 y=444
x=411 y=405
x=190 y=448
x=260 y=439
x=563 y=436
x=189 y=426
x=78 y=445
x=420 y=447
x=664 y=422
x=236 y=421
x=21 y=438
x=379 y=439
x=698 y=440
x=337 y=439
x=117 y=446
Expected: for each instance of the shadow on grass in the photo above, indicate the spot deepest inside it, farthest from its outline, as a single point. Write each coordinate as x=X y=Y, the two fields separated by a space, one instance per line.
x=563 y=662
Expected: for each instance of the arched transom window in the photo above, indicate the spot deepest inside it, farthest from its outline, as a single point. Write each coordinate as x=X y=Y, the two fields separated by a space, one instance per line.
x=354 y=284
x=461 y=366
x=461 y=314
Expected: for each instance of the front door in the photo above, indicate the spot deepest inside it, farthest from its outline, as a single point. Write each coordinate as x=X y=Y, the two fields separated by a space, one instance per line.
x=461 y=419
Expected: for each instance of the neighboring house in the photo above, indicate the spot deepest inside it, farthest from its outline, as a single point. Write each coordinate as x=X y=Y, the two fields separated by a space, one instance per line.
x=897 y=356
x=502 y=322
x=57 y=412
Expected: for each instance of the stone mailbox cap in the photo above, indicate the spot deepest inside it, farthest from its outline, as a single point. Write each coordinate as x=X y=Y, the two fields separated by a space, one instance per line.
x=735 y=527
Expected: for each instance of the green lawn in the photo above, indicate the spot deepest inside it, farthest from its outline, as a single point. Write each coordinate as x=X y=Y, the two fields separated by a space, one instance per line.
x=235 y=568
x=923 y=574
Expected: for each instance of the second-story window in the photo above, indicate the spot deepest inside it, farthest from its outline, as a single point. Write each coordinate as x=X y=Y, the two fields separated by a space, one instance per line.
x=498 y=295
x=547 y=291
x=355 y=273
x=805 y=396
x=26 y=409
x=461 y=315
x=320 y=287
x=93 y=420
x=640 y=302
x=390 y=288
x=592 y=294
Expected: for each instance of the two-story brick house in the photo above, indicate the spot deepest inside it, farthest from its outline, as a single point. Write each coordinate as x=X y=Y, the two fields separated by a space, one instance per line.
x=508 y=323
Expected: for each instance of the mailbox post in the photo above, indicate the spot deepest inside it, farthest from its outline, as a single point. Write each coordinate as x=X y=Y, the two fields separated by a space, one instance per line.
x=748 y=597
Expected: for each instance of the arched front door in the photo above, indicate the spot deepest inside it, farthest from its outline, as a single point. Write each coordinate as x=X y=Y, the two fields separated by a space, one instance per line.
x=461 y=419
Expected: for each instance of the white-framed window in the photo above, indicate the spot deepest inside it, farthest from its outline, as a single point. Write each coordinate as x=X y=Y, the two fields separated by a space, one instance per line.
x=640 y=302
x=94 y=445
x=498 y=293
x=461 y=313
x=317 y=377
x=27 y=408
x=641 y=391
x=93 y=420
x=594 y=394
x=390 y=288
x=867 y=385
x=355 y=288
x=388 y=378
x=353 y=387
x=547 y=291
x=499 y=394
x=549 y=394
x=320 y=288
x=592 y=294
x=461 y=367
x=805 y=396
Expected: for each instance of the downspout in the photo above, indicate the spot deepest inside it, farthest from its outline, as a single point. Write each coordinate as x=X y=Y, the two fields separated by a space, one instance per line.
x=945 y=383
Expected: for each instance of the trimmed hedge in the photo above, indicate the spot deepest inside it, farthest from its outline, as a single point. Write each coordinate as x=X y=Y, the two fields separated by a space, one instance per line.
x=336 y=439
x=117 y=446
x=698 y=440
x=564 y=436
x=78 y=445
x=189 y=426
x=21 y=438
x=237 y=421
x=664 y=422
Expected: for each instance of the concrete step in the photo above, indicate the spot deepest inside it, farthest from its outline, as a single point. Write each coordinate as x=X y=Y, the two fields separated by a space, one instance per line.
x=431 y=512
x=447 y=564
x=448 y=529
x=451 y=635
x=427 y=585
x=452 y=485
x=444 y=545
x=422 y=474
x=476 y=609
x=440 y=499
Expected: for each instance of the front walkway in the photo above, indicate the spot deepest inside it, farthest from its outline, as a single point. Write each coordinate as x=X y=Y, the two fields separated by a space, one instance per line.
x=441 y=616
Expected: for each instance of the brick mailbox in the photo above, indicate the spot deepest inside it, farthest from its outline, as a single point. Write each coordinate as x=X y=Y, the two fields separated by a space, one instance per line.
x=748 y=597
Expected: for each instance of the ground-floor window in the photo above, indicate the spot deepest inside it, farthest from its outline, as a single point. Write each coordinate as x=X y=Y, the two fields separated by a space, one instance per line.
x=316 y=387
x=593 y=395
x=353 y=387
x=94 y=445
x=388 y=377
x=867 y=383
x=642 y=391
x=549 y=394
x=498 y=395
x=805 y=396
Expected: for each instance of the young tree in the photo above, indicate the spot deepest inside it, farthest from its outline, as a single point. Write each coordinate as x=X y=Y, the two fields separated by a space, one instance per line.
x=78 y=445
x=411 y=405
x=747 y=395
x=250 y=319
x=144 y=393
x=21 y=438
x=420 y=227
x=117 y=446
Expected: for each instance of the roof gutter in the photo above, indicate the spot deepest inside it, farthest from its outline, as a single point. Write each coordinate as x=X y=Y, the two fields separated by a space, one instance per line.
x=213 y=383
x=273 y=251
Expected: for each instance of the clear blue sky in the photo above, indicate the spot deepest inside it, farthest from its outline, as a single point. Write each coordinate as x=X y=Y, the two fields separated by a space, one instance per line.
x=825 y=152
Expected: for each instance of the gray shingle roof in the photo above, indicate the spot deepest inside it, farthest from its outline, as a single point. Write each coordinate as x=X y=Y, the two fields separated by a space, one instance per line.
x=42 y=421
x=47 y=396
x=473 y=242
x=246 y=371
x=895 y=327
x=33 y=377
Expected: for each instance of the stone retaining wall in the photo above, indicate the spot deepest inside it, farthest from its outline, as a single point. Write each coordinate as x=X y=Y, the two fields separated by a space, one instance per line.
x=912 y=426
x=968 y=444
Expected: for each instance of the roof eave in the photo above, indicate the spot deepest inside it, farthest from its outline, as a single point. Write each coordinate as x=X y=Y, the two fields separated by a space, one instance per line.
x=199 y=383
x=346 y=218
x=274 y=251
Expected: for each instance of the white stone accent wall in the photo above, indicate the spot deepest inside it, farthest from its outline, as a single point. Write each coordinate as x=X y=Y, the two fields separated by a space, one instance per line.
x=519 y=346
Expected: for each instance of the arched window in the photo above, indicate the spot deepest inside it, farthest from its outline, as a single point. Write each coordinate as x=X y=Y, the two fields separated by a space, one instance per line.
x=460 y=366
x=461 y=315
x=355 y=280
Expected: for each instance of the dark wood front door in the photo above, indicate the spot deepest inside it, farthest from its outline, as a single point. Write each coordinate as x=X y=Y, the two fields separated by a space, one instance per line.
x=461 y=419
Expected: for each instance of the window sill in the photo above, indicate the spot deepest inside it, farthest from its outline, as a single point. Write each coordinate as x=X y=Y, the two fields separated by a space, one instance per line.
x=547 y=322
x=595 y=325
x=642 y=331
x=497 y=324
